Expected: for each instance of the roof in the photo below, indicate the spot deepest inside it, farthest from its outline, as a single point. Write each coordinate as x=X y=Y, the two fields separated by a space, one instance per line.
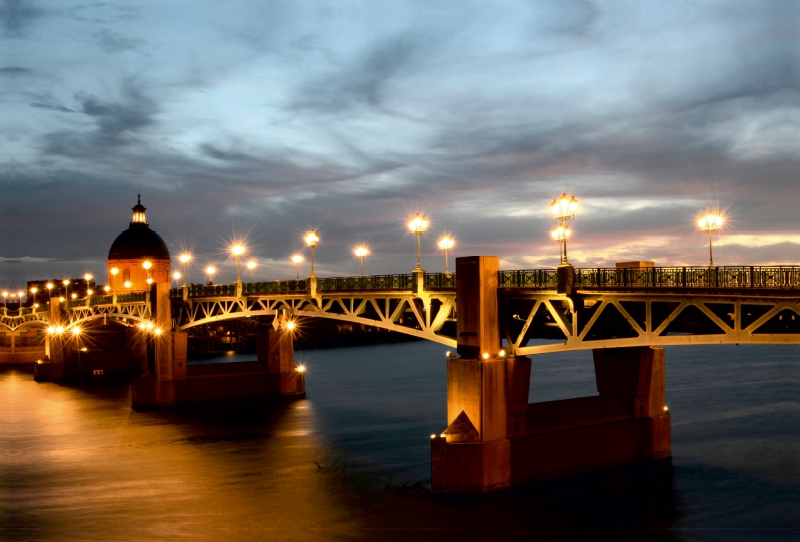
x=138 y=242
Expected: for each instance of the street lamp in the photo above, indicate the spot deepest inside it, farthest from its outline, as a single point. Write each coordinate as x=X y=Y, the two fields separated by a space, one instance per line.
x=210 y=272
x=297 y=259
x=560 y=234
x=312 y=238
x=251 y=265
x=33 y=291
x=19 y=295
x=49 y=287
x=418 y=225
x=710 y=222
x=65 y=282
x=177 y=276
x=563 y=209
x=238 y=250
x=185 y=258
x=5 y=300
x=361 y=251
x=446 y=243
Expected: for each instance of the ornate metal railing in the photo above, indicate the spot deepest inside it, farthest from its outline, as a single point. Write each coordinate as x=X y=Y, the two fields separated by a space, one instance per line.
x=370 y=282
x=131 y=298
x=275 y=287
x=440 y=281
x=101 y=300
x=660 y=277
x=534 y=278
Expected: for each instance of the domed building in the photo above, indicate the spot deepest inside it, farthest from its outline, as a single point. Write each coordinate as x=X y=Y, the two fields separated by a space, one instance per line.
x=138 y=256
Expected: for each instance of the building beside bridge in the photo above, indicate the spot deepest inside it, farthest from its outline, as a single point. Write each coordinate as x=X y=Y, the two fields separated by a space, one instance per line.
x=138 y=256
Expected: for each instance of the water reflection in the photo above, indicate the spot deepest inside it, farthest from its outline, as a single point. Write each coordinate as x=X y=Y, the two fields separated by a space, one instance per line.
x=344 y=464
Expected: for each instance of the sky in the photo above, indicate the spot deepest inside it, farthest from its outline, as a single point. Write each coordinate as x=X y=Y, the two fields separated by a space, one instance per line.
x=255 y=121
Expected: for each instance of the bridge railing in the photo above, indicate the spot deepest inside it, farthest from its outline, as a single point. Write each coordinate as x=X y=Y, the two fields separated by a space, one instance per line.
x=660 y=277
x=275 y=287
x=370 y=282
x=532 y=278
x=440 y=281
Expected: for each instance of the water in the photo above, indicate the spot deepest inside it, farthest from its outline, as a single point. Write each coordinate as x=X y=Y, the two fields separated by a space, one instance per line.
x=78 y=464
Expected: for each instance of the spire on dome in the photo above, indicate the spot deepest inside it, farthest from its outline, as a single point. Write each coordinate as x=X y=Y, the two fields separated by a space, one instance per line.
x=139 y=213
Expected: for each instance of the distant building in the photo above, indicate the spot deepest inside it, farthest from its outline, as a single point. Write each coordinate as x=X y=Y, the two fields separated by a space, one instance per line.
x=138 y=256
x=80 y=287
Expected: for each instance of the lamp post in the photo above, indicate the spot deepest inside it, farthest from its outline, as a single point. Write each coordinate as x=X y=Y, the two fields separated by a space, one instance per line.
x=49 y=287
x=361 y=251
x=446 y=243
x=210 y=270
x=19 y=296
x=5 y=300
x=563 y=209
x=65 y=282
x=114 y=272
x=312 y=238
x=237 y=250
x=560 y=234
x=710 y=222
x=185 y=258
x=33 y=291
x=251 y=265
x=177 y=276
x=418 y=225
x=297 y=259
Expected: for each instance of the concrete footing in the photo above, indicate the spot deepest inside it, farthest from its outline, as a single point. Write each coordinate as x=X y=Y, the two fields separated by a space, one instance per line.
x=626 y=423
x=273 y=375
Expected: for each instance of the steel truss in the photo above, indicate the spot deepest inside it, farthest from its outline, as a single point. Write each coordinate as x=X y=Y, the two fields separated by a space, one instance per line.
x=422 y=317
x=618 y=319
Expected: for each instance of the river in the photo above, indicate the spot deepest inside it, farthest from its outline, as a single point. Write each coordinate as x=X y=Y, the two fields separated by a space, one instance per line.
x=351 y=461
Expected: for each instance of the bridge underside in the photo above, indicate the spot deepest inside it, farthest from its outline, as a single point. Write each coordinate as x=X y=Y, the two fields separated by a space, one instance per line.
x=611 y=320
x=403 y=313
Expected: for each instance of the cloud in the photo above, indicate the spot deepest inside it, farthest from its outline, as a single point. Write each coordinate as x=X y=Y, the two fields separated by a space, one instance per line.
x=362 y=82
x=14 y=70
x=16 y=16
x=113 y=42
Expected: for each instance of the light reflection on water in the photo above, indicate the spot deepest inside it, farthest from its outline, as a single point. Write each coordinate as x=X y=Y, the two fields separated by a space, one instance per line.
x=78 y=463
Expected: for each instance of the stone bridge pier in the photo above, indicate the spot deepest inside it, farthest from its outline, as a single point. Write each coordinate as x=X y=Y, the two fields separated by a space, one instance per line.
x=169 y=381
x=496 y=439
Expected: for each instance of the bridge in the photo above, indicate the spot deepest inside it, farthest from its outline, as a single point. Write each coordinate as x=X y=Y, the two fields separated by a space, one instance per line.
x=493 y=319
x=605 y=307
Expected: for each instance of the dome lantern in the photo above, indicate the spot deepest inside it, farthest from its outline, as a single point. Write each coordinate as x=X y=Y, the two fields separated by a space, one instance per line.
x=139 y=212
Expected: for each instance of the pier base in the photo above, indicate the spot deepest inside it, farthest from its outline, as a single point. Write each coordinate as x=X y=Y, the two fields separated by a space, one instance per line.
x=273 y=375
x=488 y=446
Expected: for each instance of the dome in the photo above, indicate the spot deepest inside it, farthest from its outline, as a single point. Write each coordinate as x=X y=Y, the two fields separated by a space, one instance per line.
x=139 y=241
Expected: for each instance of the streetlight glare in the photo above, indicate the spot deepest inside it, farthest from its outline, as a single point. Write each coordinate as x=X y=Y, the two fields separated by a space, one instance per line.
x=312 y=238
x=65 y=282
x=418 y=224
x=446 y=243
x=210 y=270
x=711 y=222
x=251 y=264
x=563 y=209
x=49 y=285
x=87 y=277
x=114 y=271
x=76 y=331
x=176 y=275
x=237 y=249
x=147 y=264
x=361 y=251
x=185 y=257
x=297 y=259
x=127 y=284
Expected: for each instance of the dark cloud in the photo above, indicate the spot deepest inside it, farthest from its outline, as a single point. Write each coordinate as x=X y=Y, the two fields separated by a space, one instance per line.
x=361 y=83
x=17 y=15
x=113 y=42
x=14 y=70
x=115 y=123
